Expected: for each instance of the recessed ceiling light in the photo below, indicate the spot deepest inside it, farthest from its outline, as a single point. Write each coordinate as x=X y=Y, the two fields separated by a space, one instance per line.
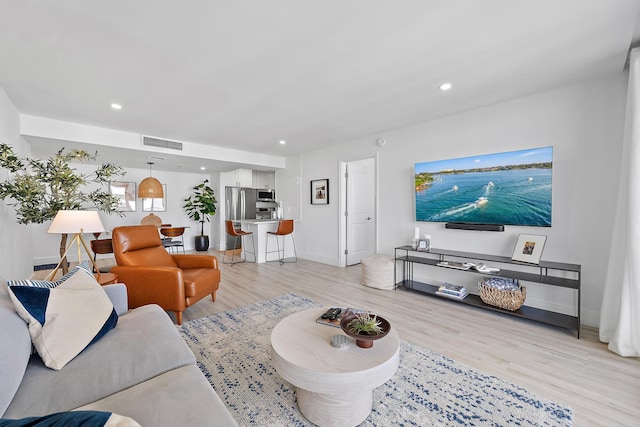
x=445 y=86
x=202 y=168
x=116 y=106
x=282 y=142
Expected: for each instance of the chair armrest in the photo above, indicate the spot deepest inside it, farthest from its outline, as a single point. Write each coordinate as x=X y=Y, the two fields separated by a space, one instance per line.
x=195 y=261
x=153 y=285
x=117 y=293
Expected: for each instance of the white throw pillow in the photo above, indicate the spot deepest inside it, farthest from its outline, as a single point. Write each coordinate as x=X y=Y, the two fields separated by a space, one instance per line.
x=48 y=283
x=65 y=319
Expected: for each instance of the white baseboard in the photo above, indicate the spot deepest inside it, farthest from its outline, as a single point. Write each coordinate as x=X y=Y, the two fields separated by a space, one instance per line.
x=316 y=258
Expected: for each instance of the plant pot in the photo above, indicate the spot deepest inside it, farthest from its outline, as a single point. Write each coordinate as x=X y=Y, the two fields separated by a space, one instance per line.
x=364 y=340
x=202 y=243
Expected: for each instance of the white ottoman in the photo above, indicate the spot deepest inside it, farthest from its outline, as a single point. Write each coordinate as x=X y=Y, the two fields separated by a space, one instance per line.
x=377 y=271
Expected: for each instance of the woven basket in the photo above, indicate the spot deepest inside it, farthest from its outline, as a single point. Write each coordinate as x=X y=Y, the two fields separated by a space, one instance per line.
x=509 y=300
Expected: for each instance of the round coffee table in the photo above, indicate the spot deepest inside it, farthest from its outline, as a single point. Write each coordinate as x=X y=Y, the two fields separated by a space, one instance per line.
x=334 y=386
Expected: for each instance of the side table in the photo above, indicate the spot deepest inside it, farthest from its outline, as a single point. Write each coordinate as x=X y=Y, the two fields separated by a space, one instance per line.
x=334 y=386
x=106 y=278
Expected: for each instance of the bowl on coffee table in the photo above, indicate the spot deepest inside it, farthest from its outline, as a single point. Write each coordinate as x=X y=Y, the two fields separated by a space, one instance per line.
x=365 y=339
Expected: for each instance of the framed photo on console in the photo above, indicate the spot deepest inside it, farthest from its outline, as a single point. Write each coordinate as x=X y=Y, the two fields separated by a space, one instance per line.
x=424 y=245
x=320 y=192
x=529 y=248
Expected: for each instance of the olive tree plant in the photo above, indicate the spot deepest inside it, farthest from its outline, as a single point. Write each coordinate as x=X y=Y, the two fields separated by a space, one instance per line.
x=38 y=189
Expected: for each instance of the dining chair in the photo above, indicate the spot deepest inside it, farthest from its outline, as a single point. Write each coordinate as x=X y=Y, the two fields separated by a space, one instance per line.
x=173 y=238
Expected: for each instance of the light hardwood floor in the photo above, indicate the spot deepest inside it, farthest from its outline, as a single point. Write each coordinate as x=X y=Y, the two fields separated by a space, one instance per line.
x=602 y=388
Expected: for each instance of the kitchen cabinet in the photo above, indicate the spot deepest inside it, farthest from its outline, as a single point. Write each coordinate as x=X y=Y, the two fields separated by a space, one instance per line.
x=264 y=179
x=244 y=177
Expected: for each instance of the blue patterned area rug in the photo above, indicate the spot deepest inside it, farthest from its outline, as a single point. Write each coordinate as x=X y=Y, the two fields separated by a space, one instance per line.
x=234 y=353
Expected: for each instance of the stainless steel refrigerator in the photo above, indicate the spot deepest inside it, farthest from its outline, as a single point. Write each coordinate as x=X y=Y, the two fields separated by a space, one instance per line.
x=241 y=203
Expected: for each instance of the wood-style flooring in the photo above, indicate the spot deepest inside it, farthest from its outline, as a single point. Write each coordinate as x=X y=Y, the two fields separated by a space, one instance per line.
x=602 y=388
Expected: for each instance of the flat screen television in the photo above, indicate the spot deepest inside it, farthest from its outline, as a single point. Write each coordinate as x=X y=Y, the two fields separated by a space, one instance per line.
x=510 y=188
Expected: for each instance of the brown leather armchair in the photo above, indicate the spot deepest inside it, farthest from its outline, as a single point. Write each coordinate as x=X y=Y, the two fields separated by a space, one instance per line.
x=153 y=276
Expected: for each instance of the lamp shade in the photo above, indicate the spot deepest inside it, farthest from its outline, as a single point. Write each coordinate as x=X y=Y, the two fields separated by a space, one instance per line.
x=72 y=222
x=150 y=188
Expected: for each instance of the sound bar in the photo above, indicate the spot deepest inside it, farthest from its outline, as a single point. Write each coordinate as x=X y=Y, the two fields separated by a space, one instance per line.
x=477 y=227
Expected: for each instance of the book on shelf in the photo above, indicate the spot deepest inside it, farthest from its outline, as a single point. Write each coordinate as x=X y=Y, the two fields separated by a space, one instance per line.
x=452 y=296
x=455 y=294
x=343 y=313
x=452 y=289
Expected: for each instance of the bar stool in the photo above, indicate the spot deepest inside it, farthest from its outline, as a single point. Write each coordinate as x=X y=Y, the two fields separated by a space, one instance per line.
x=231 y=231
x=285 y=228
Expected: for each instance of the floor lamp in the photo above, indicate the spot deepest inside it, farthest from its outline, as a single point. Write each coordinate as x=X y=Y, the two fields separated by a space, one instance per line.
x=77 y=223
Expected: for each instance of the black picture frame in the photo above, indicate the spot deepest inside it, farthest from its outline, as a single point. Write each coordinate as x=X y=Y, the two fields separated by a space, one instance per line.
x=320 y=192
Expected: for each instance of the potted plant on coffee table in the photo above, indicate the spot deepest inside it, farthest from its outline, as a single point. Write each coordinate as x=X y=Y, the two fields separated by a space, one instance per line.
x=365 y=327
x=200 y=206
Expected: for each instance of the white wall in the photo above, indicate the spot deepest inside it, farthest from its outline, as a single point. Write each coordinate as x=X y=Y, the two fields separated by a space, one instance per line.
x=584 y=124
x=289 y=188
x=15 y=244
x=179 y=187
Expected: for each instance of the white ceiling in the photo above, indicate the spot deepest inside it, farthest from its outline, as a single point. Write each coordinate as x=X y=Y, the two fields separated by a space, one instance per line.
x=246 y=74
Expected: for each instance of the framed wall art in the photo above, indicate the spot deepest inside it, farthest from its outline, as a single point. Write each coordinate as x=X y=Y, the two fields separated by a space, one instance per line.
x=320 y=192
x=529 y=248
x=126 y=194
x=156 y=205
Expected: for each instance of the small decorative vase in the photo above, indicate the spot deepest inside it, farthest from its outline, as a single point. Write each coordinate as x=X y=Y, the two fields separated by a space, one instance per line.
x=414 y=243
x=365 y=341
x=202 y=243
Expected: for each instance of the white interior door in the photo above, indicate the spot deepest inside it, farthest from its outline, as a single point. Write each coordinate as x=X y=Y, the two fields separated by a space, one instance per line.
x=361 y=210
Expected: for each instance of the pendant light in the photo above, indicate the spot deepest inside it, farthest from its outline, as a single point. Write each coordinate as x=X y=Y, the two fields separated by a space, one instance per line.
x=150 y=188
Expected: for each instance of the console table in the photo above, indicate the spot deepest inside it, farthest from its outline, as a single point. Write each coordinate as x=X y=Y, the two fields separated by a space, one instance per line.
x=106 y=278
x=547 y=273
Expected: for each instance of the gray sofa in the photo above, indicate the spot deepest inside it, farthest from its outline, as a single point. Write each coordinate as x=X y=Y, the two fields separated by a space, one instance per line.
x=141 y=369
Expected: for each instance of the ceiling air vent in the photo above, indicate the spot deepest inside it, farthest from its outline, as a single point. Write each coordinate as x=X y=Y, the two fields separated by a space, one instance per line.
x=161 y=143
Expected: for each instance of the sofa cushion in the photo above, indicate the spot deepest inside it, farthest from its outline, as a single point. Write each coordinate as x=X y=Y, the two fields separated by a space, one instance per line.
x=65 y=319
x=181 y=397
x=15 y=348
x=72 y=419
x=143 y=345
x=117 y=293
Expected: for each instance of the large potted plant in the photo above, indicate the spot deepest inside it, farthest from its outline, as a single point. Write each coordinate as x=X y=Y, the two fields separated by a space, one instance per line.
x=200 y=206
x=38 y=189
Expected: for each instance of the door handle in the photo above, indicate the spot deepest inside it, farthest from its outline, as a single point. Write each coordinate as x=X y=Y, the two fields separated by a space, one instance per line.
x=368 y=218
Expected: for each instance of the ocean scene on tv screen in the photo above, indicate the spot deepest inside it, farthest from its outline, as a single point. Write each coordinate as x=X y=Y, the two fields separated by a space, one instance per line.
x=511 y=188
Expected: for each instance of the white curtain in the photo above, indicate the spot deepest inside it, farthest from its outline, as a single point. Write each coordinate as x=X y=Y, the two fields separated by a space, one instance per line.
x=620 y=312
